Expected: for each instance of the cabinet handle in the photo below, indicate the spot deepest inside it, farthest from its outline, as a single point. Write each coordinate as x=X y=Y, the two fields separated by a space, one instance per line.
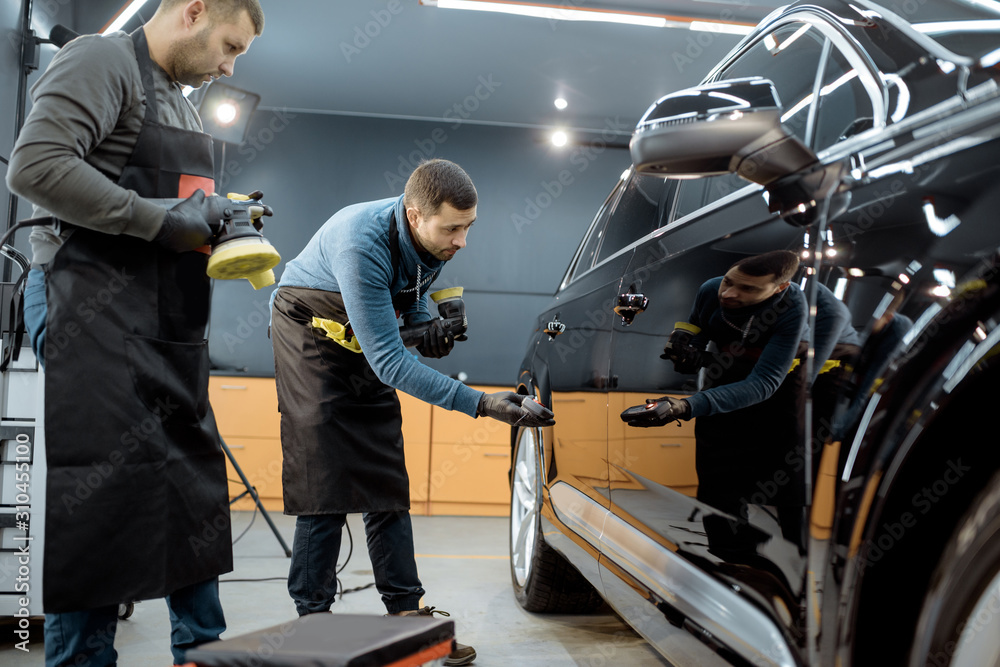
x=495 y=455
x=232 y=386
x=237 y=446
x=671 y=444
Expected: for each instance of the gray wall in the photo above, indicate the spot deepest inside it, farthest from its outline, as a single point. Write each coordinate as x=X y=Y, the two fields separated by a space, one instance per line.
x=535 y=204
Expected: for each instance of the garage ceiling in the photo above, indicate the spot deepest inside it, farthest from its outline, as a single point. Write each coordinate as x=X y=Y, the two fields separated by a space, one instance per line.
x=402 y=59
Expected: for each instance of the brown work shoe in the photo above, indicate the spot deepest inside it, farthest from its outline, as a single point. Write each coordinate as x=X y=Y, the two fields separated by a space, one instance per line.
x=462 y=654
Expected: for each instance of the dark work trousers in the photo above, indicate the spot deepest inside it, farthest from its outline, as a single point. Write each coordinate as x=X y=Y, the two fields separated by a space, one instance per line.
x=312 y=576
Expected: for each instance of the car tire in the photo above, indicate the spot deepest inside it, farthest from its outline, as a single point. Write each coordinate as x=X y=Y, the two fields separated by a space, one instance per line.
x=543 y=580
x=959 y=621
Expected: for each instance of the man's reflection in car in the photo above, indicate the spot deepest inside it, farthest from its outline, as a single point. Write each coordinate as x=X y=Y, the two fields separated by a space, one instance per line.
x=747 y=332
x=888 y=329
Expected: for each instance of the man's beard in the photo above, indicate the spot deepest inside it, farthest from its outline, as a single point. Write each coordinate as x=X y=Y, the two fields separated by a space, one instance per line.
x=182 y=56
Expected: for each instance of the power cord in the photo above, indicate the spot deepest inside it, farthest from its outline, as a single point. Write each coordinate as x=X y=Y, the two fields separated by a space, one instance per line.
x=341 y=591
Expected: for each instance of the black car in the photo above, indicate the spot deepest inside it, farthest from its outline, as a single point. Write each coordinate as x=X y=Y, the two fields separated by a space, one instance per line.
x=865 y=137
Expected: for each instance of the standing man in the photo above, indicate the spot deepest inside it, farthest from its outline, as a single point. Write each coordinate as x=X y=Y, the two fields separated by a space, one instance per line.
x=341 y=427
x=116 y=307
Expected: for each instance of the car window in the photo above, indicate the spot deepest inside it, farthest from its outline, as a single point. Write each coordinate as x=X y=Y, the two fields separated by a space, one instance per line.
x=844 y=108
x=588 y=249
x=644 y=206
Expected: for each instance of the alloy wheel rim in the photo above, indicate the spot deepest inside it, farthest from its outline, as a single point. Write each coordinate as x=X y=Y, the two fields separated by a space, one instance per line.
x=979 y=643
x=524 y=504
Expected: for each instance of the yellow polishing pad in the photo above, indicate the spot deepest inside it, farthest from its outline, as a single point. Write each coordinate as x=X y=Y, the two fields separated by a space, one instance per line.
x=242 y=258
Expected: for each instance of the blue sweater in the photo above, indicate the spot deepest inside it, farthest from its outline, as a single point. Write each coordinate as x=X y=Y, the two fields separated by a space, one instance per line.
x=785 y=317
x=350 y=254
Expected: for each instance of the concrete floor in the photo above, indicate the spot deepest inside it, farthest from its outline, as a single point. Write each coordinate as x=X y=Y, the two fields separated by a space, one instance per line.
x=463 y=566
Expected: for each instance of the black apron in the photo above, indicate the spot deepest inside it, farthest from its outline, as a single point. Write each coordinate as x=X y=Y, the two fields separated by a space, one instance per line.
x=739 y=453
x=137 y=500
x=341 y=427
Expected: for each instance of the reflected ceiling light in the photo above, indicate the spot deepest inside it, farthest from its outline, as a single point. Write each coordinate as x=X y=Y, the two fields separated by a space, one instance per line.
x=945 y=277
x=939 y=226
x=561 y=103
x=559 y=138
x=941 y=291
x=123 y=16
x=566 y=12
x=840 y=288
x=902 y=96
x=990 y=59
x=774 y=47
x=946 y=66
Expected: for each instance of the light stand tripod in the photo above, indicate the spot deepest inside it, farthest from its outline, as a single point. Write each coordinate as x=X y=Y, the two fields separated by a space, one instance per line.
x=252 y=492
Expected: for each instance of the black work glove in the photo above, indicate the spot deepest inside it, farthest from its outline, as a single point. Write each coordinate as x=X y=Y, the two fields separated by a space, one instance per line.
x=506 y=407
x=657 y=412
x=436 y=342
x=190 y=224
x=686 y=360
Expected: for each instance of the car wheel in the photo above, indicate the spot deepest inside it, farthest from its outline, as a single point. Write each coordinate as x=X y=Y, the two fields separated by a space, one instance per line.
x=960 y=621
x=543 y=580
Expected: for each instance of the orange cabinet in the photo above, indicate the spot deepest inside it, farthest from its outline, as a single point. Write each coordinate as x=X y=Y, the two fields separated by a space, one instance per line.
x=456 y=464
x=246 y=411
x=470 y=461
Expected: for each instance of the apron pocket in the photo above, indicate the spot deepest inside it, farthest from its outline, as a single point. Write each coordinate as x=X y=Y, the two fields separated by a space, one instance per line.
x=171 y=379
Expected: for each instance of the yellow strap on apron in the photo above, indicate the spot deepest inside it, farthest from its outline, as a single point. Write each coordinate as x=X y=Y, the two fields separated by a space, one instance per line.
x=338 y=333
x=829 y=365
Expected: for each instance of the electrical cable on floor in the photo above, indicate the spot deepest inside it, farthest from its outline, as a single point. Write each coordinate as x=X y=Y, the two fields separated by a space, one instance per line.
x=341 y=591
x=252 y=517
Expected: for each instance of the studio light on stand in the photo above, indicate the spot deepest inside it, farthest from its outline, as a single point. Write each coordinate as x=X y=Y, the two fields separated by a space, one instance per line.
x=225 y=112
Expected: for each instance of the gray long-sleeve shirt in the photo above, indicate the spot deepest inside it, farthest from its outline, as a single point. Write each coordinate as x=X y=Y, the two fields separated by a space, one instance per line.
x=87 y=111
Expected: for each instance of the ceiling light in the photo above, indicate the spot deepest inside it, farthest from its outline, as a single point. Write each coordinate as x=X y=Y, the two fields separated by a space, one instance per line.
x=123 y=17
x=550 y=12
x=727 y=28
x=561 y=103
x=569 y=13
x=559 y=138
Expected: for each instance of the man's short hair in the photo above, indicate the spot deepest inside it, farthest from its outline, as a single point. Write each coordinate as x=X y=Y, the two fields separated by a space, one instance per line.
x=438 y=182
x=227 y=9
x=782 y=264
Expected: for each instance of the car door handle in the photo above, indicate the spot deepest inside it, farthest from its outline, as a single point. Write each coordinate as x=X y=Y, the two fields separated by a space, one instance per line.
x=630 y=305
x=554 y=328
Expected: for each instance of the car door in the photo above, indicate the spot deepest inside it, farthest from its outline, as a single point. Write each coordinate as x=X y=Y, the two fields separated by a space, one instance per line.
x=570 y=365
x=753 y=562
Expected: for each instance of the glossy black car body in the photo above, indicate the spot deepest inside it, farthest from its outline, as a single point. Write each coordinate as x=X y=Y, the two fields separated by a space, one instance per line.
x=898 y=561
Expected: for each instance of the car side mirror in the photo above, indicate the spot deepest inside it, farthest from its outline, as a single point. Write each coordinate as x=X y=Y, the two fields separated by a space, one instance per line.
x=731 y=127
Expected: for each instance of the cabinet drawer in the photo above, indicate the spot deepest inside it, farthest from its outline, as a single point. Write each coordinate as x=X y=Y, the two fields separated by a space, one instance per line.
x=457 y=428
x=260 y=461
x=469 y=473
x=245 y=406
x=418 y=456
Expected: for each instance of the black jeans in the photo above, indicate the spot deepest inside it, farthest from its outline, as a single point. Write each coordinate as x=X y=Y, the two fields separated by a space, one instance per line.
x=312 y=576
